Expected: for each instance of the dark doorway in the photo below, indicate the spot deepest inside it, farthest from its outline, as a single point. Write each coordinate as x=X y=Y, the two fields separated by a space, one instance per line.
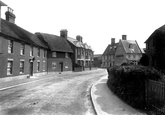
x=61 y=66
x=30 y=68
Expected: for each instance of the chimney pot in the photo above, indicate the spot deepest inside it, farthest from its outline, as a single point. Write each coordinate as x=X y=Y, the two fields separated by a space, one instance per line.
x=124 y=37
x=64 y=33
x=79 y=38
x=112 y=41
x=10 y=16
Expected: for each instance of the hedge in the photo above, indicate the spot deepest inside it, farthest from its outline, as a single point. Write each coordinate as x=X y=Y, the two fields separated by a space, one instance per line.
x=128 y=83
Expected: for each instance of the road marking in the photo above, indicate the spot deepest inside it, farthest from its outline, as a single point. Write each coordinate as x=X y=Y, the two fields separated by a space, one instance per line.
x=22 y=84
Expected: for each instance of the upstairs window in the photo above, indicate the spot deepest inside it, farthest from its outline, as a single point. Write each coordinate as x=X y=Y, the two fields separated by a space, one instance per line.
x=38 y=52
x=22 y=49
x=66 y=55
x=54 y=54
x=45 y=53
x=10 y=46
x=31 y=51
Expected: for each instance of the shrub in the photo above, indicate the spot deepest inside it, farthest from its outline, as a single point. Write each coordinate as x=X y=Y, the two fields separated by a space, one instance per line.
x=128 y=82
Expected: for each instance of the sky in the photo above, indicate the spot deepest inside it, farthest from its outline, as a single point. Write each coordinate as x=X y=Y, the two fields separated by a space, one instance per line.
x=97 y=21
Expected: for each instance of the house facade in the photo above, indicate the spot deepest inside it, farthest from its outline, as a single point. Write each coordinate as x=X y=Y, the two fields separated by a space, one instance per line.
x=97 y=61
x=83 y=54
x=128 y=51
x=21 y=52
x=59 y=52
x=108 y=57
x=155 y=48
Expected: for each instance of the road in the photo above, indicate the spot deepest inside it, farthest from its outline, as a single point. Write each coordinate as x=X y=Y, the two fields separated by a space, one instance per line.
x=63 y=94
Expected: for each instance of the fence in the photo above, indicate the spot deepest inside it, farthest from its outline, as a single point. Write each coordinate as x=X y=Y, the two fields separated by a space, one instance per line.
x=155 y=95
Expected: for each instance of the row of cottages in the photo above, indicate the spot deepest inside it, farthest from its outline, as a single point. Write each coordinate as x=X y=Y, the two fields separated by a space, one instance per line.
x=125 y=51
x=25 y=54
x=155 y=49
x=83 y=53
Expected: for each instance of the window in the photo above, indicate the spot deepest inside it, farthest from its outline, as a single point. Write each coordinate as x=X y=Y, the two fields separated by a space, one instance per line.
x=54 y=54
x=45 y=53
x=38 y=66
x=78 y=51
x=129 y=56
x=9 y=67
x=38 y=52
x=53 y=65
x=22 y=49
x=43 y=65
x=10 y=46
x=66 y=55
x=21 y=67
x=134 y=56
x=31 y=51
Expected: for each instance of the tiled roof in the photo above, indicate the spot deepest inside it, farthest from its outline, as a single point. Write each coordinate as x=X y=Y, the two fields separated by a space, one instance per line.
x=55 y=43
x=131 y=46
x=18 y=33
x=111 y=49
x=76 y=42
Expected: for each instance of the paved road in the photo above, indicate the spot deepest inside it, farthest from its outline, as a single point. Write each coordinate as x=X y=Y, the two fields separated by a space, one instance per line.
x=65 y=94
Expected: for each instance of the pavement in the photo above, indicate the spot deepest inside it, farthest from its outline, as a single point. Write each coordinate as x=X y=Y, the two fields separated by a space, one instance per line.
x=106 y=103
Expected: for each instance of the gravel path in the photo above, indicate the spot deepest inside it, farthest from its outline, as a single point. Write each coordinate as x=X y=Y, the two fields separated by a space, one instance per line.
x=69 y=96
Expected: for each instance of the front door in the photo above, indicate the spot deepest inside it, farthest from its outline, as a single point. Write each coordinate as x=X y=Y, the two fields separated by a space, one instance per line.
x=61 y=66
x=31 y=68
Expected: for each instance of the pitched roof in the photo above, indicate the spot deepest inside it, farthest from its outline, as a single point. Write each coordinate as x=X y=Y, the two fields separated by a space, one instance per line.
x=75 y=42
x=157 y=32
x=18 y=33
x=111 y=49
x=131 y=46
x=55 y=43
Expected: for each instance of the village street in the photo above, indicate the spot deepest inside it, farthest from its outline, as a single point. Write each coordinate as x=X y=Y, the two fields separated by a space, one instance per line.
x=61 y=94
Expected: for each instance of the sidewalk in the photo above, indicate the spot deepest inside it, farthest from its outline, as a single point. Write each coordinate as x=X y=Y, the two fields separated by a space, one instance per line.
x=106 y=103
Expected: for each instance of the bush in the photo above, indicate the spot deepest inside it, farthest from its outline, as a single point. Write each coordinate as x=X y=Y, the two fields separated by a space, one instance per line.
x=128 y=82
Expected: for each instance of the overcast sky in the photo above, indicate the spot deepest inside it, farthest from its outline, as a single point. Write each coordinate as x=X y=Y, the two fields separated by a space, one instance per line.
x=97 y=21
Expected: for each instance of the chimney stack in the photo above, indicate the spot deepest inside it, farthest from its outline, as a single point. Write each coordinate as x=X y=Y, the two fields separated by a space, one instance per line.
x=1 y=4
x=112 y=41
x=79 y=38
x=10 y=16
x=64 y=33
x=124 y=37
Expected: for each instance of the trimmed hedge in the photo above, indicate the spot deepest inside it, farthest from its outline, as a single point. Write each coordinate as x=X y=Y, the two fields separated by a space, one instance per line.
x=128 y=83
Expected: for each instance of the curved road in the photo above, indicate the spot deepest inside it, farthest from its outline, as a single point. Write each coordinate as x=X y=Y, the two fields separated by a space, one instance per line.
x=65 y=94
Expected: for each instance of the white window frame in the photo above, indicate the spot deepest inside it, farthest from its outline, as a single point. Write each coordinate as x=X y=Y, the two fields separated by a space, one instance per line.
x=31 y=50
x=10 y=46
x=10 y=69
x=21 y=72
x=22 y=49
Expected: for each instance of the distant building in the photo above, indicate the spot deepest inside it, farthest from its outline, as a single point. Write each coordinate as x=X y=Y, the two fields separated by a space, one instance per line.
x=97 y=60
x=155 y=48
x=108 y=57
x=59 y=52
x=22 y=54
x=83 y=54
x=128 y=51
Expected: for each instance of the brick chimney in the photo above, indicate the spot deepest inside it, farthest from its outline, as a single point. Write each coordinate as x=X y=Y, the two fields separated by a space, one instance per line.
x=112 y=41
x=10 y=16
x=1 y=4
x=124 y=37
x=79 y=38
x=64 y=33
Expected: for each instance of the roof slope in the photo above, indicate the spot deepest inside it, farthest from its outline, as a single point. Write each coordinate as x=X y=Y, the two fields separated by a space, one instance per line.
x=131 y=46
x=111 y=49
x=75 y=42
x=18 y=33
x=157 y=33
x=55 y=43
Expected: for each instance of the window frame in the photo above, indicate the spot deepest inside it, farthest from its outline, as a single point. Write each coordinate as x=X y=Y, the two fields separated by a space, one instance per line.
x=38 y=66
x=22 y=49
x=10 y=46
x=9 y=69
x=54 y=54
x=22 y=68
x=31 y=51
